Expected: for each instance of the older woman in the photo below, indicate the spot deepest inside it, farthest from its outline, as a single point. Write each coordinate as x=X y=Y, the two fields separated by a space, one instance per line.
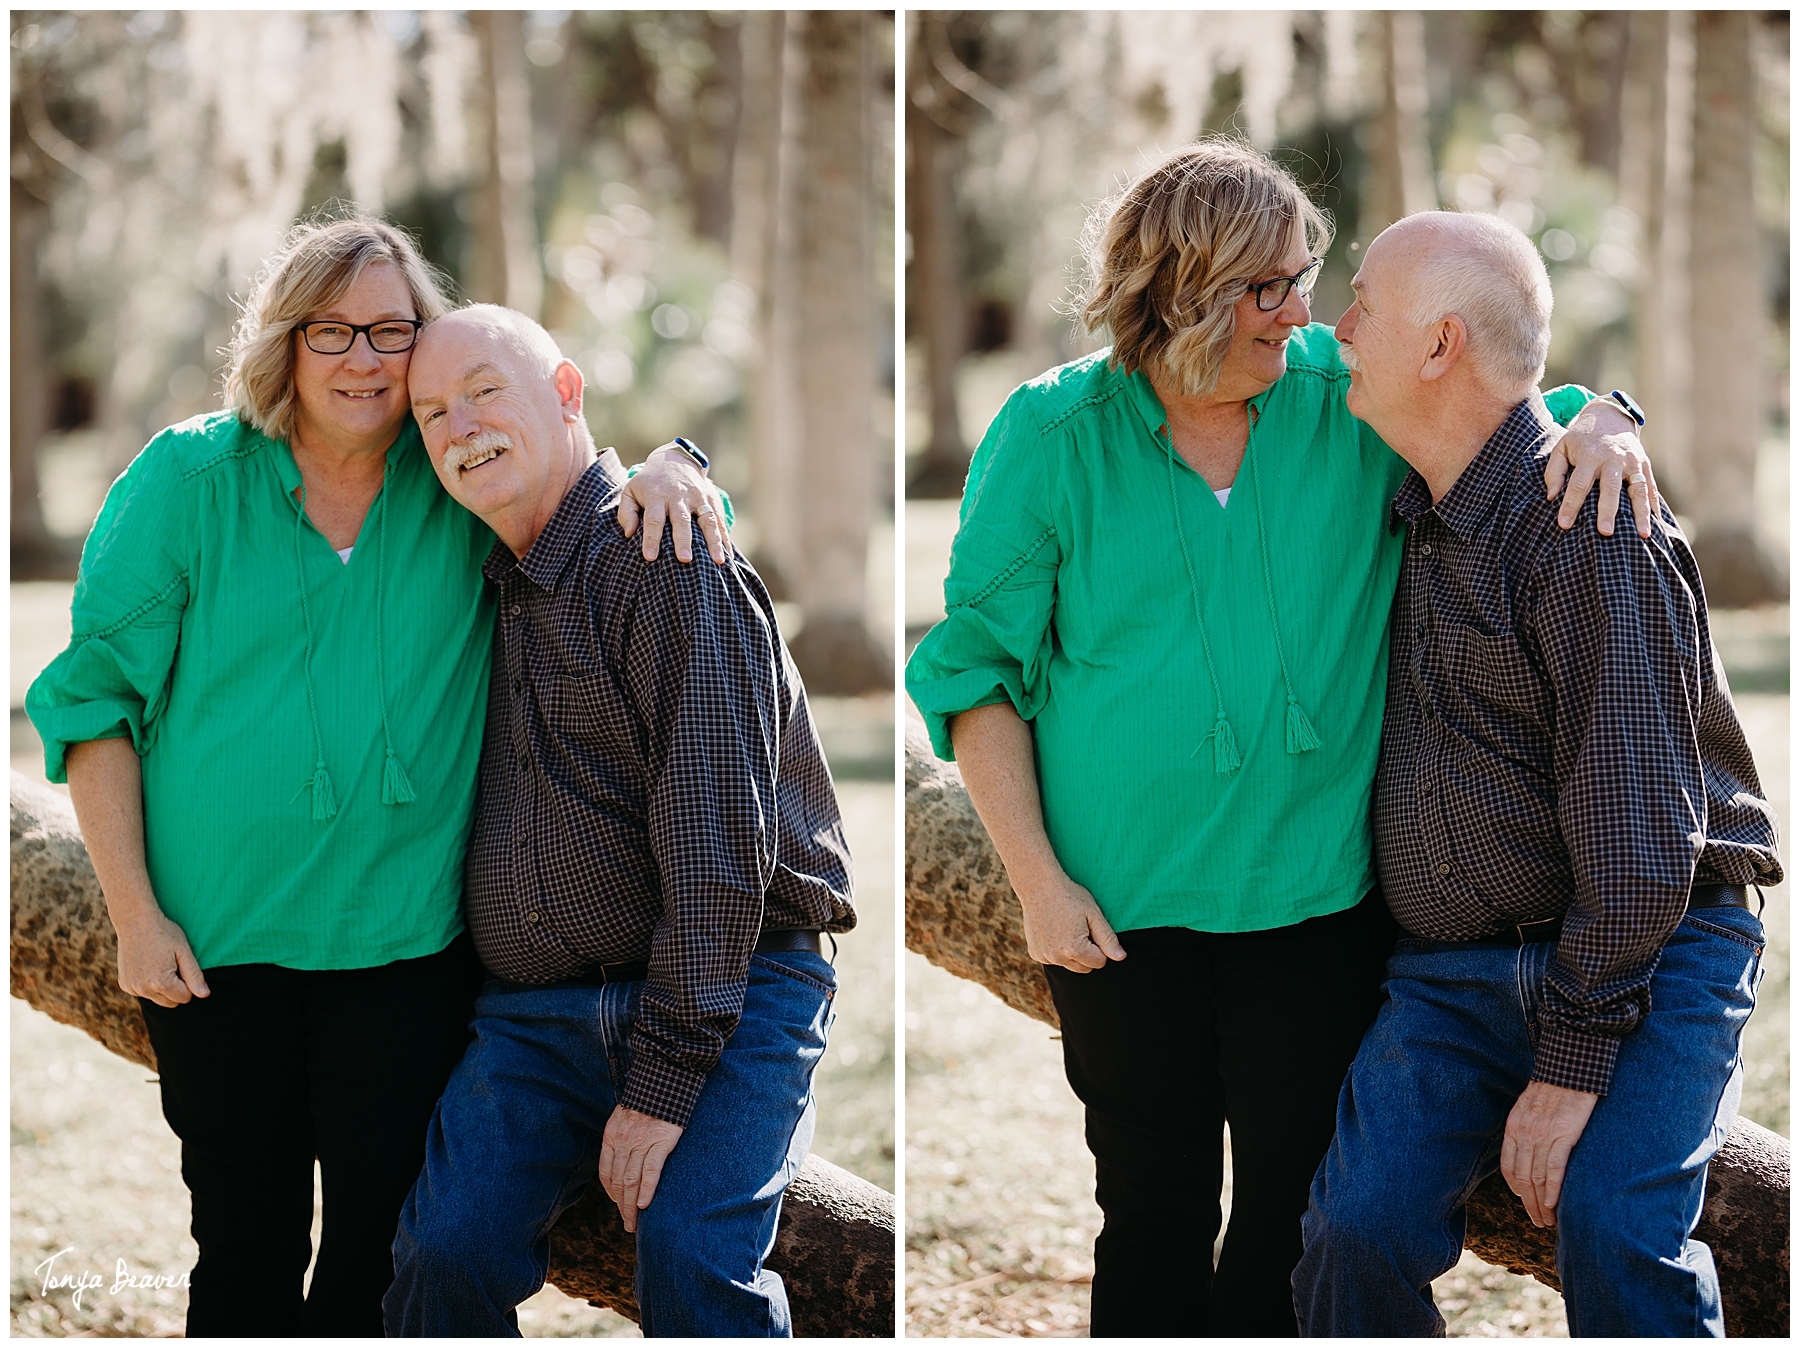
x=270 y=717
x=1203 y=700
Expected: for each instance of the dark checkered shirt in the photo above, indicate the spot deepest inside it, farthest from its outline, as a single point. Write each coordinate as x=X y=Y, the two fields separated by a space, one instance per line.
x=1559 y=739
x=651 y=785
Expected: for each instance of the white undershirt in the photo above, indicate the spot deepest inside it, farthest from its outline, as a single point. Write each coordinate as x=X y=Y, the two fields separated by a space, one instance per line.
x=1224 y=495
x=344 y=553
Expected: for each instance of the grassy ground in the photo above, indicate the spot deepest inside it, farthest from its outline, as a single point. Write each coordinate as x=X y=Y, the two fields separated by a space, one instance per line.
x=96 y=1171
x=1000 y=1218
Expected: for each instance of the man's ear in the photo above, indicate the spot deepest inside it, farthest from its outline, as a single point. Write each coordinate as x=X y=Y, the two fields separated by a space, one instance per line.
x=568 y=389
x=1447 y=339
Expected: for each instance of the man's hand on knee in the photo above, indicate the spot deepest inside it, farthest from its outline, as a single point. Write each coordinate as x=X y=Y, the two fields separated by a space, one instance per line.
x=632 y=1151
x=1545 y=1124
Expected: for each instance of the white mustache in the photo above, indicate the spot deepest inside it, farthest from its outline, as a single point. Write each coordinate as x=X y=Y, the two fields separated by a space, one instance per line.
x=1347 y=354
x=478 y=446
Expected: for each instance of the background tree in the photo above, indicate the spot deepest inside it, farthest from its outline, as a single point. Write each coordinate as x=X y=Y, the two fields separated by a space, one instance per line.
x=577 y=166
x=1645 y=153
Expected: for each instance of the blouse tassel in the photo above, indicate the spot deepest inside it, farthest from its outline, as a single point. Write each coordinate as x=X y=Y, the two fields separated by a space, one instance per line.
x=1300 y=736
x=395 y=788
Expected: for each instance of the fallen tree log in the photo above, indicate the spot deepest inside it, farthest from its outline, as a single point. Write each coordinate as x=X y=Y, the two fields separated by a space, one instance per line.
x=962 y=915
x=835 y=1246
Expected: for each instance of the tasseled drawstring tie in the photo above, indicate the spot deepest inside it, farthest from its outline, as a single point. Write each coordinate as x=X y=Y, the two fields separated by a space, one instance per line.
x=395 y=788
x=324 y=804
x=1301 y=737
x=324 y=799
x=1226 y=758
x=1300 y=734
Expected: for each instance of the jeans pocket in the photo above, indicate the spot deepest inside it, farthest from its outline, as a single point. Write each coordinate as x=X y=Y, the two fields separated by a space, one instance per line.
x=825 y=985
x=1744 y=939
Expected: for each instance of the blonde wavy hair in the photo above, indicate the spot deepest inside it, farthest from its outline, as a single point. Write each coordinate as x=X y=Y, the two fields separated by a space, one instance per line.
x=1170 y=256
x=315 y=268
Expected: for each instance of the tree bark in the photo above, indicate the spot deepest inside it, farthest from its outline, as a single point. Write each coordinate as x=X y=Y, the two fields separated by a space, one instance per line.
x=1729 y=308
x=962 y=915
x=835 y=1246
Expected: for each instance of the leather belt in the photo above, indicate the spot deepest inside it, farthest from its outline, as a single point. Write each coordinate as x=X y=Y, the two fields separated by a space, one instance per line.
x=769 y=943
x=1550 y=928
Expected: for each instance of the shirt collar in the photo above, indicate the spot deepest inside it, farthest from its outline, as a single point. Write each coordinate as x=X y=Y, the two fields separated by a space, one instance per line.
x=1150 y=409
x=562 y=536
x=1472 y=496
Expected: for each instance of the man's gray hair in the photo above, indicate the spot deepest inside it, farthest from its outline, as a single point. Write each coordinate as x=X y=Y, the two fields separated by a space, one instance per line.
x=1490 y=275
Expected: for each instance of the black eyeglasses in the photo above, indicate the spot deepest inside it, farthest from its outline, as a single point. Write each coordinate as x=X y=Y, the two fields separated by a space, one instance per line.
x=328 y=337
x=1271 y=295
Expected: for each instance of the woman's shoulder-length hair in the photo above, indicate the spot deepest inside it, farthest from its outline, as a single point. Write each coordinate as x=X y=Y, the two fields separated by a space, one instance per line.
x=1169 y=256
x=316 y=267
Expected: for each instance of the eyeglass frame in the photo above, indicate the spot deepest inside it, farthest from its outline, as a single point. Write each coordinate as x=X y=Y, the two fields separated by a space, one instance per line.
x=1258 y=288
x=367 y=331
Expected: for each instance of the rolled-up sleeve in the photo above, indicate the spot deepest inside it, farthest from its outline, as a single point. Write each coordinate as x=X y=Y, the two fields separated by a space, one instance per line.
x=995 y=641
x=132 y=588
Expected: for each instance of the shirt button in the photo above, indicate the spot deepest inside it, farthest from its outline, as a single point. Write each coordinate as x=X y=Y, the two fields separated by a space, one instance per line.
x=515 y=610
x=1444 y=868
x=1425 y=548
x=533 y=916
x=1419 y=632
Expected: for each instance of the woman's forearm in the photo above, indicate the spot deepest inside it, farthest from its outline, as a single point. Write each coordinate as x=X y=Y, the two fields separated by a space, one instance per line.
x=106 y=784
x=999 y=767
x=1063 y=923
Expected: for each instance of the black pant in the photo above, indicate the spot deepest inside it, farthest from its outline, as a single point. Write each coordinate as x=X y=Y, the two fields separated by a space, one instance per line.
x=1191 y=1031
x=279 y=1066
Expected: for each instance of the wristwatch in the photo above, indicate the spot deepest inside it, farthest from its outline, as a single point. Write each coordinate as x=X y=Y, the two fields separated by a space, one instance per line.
x=694 y=452
x=1628 y=404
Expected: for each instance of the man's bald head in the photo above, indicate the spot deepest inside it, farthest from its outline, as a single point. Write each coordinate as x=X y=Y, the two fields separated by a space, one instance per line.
x=1486 y=272
x=518 y=333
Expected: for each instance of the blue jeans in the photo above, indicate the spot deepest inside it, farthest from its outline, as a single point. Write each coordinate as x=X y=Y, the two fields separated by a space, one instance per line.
x=1423 y=1113
x=516 y=1139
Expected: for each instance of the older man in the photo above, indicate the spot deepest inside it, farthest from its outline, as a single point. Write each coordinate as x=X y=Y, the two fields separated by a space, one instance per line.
x=1566 y=822
x=656 y=851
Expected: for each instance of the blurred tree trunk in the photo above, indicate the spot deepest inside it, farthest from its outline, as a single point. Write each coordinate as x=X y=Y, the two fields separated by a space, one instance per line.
x=767 y=249
x=834 y=354
x=505 y=267
x=1728 y=309
x=1656 y=177
x=34 y=552
x=1399 y=180
x=933 y=283
x=756 y=262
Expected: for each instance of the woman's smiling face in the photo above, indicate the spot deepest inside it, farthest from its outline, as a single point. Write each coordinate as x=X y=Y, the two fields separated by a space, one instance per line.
x=361 y=394
x=1258 y=353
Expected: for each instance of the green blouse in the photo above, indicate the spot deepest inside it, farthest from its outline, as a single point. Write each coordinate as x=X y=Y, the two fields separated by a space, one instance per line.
x=1204 y=682
x=216 y=627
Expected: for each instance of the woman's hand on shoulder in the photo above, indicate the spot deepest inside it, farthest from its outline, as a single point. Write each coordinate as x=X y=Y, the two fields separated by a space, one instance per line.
x=670 y=488
x=1602 y=446
x=1064 y=926
x=156 y=961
